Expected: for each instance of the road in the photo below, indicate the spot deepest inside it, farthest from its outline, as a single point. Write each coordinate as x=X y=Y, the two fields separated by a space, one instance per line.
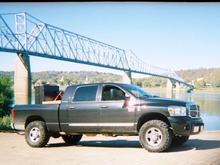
x=200 y=149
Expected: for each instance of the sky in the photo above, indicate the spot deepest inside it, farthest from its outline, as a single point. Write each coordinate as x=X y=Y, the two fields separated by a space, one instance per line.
x=169 y=35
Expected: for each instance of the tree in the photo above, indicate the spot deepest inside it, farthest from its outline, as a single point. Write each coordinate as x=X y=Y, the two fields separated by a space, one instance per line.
x=217 y=83
x=200 y=84
x=6 y=95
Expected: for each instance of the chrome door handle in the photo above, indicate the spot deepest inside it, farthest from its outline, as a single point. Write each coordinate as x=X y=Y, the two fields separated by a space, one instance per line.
x=104 y=106
x=72 y=107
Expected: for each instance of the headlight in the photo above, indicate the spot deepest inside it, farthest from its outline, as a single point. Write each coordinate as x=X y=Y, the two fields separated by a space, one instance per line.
x=177 y=110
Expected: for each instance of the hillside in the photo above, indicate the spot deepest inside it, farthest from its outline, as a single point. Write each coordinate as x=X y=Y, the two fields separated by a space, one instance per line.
x=201 y=78
x=65 y=78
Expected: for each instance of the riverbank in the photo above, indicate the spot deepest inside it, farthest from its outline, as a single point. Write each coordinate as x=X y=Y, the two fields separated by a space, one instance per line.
x=200 y=90
x=207 y=90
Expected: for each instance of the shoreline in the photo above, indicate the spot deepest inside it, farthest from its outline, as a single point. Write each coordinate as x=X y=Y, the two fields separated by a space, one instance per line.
x=205 y=90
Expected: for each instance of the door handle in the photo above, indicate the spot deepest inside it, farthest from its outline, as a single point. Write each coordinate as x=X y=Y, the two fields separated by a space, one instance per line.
x=104 y=106
x=71 y=107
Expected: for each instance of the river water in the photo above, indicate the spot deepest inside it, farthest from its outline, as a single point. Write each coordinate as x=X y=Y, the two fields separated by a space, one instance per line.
x=209 y=105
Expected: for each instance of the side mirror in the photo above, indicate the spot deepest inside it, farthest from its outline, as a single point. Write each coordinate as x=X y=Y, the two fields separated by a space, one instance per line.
x=126 y=101
x=127 y=95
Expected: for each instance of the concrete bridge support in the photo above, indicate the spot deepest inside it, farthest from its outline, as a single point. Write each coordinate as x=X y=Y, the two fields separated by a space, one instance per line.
x=177 y=90
x=22 y=80
x=173 y=89
x=126 y=77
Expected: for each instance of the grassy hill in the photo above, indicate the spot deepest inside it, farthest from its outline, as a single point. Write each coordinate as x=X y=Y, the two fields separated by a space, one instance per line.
x=65 y=78
x=202 y=77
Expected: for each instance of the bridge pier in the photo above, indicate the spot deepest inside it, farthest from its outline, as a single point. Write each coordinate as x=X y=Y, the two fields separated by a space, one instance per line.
x=173 y=86
x=177 y=90
x=126 y=77
x=22 y=80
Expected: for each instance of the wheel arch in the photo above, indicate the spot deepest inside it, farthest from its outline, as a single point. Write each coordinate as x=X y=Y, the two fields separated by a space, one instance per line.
x=33 y=118
x=151 y=116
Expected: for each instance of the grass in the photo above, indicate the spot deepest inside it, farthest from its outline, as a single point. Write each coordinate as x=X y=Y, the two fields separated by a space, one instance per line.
x=213 y=90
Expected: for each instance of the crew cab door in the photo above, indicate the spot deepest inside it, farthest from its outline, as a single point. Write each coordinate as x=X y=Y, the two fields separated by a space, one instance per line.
x=83 y=109
x=114 y=114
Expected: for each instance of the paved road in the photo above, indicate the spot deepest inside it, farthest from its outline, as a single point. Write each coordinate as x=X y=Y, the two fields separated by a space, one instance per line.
x=200 y=149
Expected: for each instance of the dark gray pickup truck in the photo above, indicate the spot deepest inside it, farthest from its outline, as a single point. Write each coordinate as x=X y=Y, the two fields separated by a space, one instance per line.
x=110 y=109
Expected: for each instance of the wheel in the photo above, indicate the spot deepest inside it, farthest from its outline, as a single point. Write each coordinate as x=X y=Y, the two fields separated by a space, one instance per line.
x=155 y=136
x=72 y=139
x=179 y=140
x=36 y=134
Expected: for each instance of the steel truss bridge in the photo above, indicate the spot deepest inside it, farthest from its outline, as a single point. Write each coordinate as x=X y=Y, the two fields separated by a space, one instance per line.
x=24 y=34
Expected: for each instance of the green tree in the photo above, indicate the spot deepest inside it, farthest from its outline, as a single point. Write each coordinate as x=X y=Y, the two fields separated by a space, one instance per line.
x=67 y=81
x=217 y=83
x=200 y=84
x=6 y=95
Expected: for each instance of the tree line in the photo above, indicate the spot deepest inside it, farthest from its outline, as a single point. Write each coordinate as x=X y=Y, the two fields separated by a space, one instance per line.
x=201 y=78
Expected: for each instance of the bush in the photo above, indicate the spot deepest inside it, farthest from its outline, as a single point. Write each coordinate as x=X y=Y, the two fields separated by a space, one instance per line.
x=5 y=123
x=6 y=95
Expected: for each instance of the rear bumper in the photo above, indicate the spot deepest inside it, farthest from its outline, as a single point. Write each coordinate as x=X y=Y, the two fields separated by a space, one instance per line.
x=186 y=125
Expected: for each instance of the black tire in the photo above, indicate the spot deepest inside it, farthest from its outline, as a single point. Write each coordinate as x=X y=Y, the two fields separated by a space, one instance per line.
x=36 y=134
x=71 y=139
x=179 y=140
x=155 y=136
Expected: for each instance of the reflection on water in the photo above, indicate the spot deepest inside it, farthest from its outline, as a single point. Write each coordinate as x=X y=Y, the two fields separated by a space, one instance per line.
x=209 y=104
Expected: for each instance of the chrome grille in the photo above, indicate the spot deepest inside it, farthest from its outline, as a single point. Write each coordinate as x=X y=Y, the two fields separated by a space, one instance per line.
x=193 y=111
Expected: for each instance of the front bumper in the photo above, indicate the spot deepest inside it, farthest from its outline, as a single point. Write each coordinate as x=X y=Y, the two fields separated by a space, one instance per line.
x=185 y=125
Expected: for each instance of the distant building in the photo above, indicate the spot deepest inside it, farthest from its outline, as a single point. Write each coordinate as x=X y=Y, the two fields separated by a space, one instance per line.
x=200 y=79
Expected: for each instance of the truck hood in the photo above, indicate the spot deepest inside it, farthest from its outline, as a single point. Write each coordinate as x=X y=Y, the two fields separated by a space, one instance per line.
x=159 y=101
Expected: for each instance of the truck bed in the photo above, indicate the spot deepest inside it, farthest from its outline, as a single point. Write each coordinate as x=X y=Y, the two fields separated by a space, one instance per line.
x=49 y=113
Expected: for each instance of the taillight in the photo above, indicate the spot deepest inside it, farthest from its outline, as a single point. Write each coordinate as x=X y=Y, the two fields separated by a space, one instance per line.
x=12 y=115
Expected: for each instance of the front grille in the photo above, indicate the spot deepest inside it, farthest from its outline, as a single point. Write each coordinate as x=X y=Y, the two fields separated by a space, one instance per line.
x=194 y=111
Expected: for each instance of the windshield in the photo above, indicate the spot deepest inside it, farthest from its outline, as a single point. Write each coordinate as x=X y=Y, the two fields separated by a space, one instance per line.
x=136 y=91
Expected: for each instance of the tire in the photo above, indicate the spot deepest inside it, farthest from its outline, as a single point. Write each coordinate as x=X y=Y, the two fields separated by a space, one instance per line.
x=155 y=136
x=36 y=134
x=179 y=140
x=71 y=139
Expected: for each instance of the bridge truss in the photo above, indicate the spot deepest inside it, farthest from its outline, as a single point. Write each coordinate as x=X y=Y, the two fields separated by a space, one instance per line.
x=24 y=34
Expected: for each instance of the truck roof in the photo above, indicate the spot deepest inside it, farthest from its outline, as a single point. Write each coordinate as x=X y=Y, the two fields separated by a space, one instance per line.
x=73 y=85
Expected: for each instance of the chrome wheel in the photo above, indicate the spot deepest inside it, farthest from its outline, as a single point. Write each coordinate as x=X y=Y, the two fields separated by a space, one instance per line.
x=153 y=136
x=34 y=134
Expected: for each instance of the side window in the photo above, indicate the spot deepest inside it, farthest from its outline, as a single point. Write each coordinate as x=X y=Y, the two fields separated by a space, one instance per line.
x=87 y=93
x=110 y=92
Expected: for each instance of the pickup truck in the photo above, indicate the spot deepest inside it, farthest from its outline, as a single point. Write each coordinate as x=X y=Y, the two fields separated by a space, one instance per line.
x=112 y=109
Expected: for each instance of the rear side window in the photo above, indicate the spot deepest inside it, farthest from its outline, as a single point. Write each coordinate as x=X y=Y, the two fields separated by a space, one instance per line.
x=87 y=93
